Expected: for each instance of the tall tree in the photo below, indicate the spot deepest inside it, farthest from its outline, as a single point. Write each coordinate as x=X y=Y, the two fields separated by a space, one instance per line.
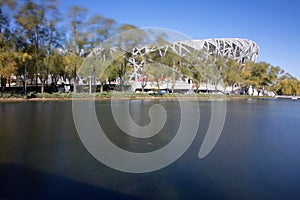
x=287 y=85
x=8 y=54
x=129 y=38
x=77 y=38
x=8 y=65
x=232 y=74
x=53 y=59
x=100 y=28
x=37 y=22
x=271 y=79
x=4 y=20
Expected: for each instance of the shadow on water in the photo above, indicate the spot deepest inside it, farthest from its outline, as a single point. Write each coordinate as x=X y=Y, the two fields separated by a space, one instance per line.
x=19 y=182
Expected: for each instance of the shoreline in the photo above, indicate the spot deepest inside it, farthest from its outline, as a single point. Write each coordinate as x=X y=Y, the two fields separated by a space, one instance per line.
x=15 y=99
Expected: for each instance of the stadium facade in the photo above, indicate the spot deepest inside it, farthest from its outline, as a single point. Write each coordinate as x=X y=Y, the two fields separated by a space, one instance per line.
x=241 y=50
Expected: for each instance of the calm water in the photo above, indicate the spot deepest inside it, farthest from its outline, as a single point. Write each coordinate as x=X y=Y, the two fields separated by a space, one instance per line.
x=256 y=157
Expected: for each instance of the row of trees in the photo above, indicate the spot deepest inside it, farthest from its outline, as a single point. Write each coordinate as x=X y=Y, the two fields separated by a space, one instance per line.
x=214 y=70
x=38 y=40
x=261 y=76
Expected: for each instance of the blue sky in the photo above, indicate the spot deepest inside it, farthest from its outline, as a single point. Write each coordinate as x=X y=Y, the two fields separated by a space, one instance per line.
x=273 y=25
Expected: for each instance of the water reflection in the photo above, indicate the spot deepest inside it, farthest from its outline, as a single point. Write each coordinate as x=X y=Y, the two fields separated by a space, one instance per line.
x=257 y=156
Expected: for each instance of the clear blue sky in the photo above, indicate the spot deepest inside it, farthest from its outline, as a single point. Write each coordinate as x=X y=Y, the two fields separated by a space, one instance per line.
x=273 y=24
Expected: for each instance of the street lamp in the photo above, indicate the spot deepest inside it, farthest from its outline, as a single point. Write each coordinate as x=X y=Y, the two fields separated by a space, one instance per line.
x=25 y=58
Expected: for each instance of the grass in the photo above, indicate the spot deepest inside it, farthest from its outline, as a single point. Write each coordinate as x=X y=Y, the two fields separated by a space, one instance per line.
x=108 y=95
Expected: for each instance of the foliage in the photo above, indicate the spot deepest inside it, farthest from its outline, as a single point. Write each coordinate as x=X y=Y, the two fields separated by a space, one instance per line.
x=288 y=85
x=37 y=40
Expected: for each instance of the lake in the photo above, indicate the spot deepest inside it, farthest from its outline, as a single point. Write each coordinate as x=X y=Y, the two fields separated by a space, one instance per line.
x=256 y=157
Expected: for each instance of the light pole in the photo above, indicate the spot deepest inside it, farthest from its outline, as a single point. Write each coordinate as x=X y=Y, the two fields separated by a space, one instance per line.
x=25 y=79
x=90 y=84
x=25 y=59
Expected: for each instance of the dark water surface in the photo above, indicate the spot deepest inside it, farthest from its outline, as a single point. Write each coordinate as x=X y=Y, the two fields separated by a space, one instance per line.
x=256 y=157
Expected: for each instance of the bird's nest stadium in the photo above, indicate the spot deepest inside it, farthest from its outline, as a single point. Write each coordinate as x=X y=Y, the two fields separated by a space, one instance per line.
x=238 y=49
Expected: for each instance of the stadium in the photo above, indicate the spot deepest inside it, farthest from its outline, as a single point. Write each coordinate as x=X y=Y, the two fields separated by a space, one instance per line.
x=238 y=49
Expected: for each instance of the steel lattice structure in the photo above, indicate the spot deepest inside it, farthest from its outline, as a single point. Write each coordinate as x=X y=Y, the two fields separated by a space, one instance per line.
x=241 y=50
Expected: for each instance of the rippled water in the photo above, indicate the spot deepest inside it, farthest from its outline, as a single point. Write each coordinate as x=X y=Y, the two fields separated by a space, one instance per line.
x=256 y=157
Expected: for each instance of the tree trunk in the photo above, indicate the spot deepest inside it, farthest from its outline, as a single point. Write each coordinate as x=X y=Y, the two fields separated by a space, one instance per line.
x=143 y=84
x=101 y=87
x=247 y=90
x=56 y=78
x=90 y=85
x=121 y=84
x=25 y=78
x=3 y=84
x=173 y=86
x=24 y=86
x=36 y=81
x=74 y=86
x=158 y=88
x=225 y=88
x=52 y=78
x=74 y=80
